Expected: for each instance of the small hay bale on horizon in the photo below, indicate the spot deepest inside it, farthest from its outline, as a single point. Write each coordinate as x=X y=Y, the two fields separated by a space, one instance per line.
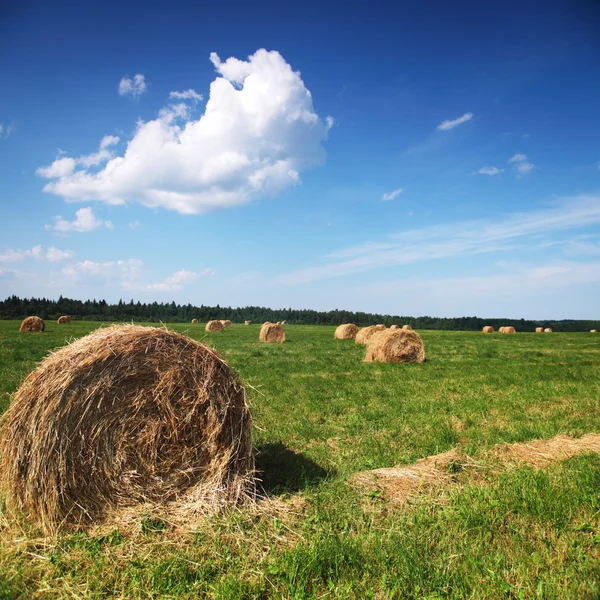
x=548 y=330
x=407 y=327
x=64 y=320
x=488 y=329
x=398 y=345
x=125 y=416
x=364 y=334
x=247 y=322
x=214 y=326
x=194 y=321
x=284 y=322
x=394 y=326
x=347 y=331
x=32 y=324
x=226 y=323
x=509 y=329
x=271 y=332
x=539 y=330
x=593 y=331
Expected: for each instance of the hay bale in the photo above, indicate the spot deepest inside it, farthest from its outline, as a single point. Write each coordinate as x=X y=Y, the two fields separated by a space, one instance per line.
x=194 y=321
x=539 y=330
x=34 y=324
x=266 y=323
x=593 y=331
x=226 y=323
x=271 y=332
x=394 y=326
x=398 y=345
x=509 y=329
x=247 y=322
x=488 y=329
x=346 y=332
x=548 y=330
x=407 y=327
x=64 y=320
x=123 y=416
x=278 y=322
x=284 y=322
x=213 y=326
x=363 y=336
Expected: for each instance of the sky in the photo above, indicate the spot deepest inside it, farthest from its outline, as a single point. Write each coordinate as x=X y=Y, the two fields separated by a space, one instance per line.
x=407 y=158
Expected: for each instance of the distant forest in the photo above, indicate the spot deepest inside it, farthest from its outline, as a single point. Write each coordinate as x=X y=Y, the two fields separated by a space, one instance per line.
x=99 y=310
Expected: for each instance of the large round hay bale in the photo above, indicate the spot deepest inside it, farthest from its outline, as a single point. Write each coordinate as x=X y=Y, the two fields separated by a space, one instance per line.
x=32 y=324
x=548 y=330
x=364 y=334
x=125 y=415
x=488 y=329
x=213 y=326
x=398 y=345
x=346 y=332
x=539 y=330
x=247 y=322
x=194 y=321
x=394 y=326
x=271 y=332
x=407 y=327
x=64 y=320
x=509 y=329
x=226 y=323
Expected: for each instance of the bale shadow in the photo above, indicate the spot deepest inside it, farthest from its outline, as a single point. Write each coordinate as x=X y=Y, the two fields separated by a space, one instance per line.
x=281 y=470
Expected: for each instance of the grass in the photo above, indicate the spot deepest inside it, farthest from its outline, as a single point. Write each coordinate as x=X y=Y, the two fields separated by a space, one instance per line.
x=322 y=414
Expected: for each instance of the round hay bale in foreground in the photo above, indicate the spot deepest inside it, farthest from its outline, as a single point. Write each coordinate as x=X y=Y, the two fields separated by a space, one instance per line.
x=488 y=329
x=34 y=324
x=247 y=322
x=539 y=330
x=407 y=327
x=271 y=332
x=346 y=332
x=398 y=345
x=548 y=330
x=509 y=329
x=123 y=416
x=64 y=320
x=226 y=323
x=213 y=326
x=194 y=321
x=394 y=326
x=363 y=336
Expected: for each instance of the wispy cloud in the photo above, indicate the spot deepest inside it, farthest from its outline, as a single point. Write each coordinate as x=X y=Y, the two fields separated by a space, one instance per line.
x=6 y=131
x=51 y=254
x=447 y=125
x=135 y=225
x=521 y=164
x=133 y=87
x=392 y=195
x=177 y=280
x=517 y=158
x=84 y=221
x=490 y=171
x=187 y=95
x=451 y=240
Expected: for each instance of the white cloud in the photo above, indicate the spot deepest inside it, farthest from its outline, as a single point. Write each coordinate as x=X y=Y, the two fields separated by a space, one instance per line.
x=524 y=167
x=451 y=240
x=134 y=225
x=258 y=131
x=132 y=87
x=177 y=280
x=122 y=272
x=6 y=131
x=187 y=95
x=490 y=171
x=392 y=195
x=85 y=221
x=51 y=254
x=446 y=125
x=109 y=140
x=521 y=163
x=517 y=158
x=61 y=167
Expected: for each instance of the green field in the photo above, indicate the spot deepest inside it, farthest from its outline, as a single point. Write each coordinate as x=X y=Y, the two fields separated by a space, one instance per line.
x=320 y=415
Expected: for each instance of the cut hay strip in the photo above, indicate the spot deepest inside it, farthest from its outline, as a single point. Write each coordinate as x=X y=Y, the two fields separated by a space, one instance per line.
x=347 y=331
x=124 y=417
x=398 y=345
x=271 y=332
x=33 y=324
x=364 y=334
x=488 y=329
x=214 y=326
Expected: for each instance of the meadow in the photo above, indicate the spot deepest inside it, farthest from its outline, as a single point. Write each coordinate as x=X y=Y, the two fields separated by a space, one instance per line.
x=321 y=414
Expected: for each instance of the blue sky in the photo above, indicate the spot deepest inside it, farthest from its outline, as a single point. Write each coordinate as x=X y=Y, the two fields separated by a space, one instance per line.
x=407 y=158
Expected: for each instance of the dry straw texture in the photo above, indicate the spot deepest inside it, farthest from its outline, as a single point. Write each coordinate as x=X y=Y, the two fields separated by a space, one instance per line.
x=397 y=346
x=488 y=329
x=271 y=332
x=32 y=324
x=539 y=330
x=407 y=327
x=346 y=332
x=226 y=323
x=123 y=416
x=363 y=336
x=548 y=330
x=214 y=326
x=64 y=320
x=509 y=329
x=194 y=321
x=247 y=322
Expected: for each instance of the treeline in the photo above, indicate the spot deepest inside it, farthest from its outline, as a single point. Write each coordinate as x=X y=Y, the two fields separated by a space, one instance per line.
x=99 y=310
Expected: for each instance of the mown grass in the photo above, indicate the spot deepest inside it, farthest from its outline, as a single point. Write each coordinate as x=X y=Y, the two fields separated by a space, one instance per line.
x=322 y=414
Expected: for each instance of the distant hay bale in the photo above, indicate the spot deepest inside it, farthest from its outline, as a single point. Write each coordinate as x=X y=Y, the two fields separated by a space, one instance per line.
x=247 y=322
x=278 y=322
x=548 y=330
x=398 y=345
x=539 y=330
x=364 y=334
x=394 y=326
x=593 y=331
x=284 y=322
x=407 y=327
x=271 y=332
x=214 y=326
x=509 y=329
x=124 y=416
x=194 y=321
x=64 y=320
x=346 y=332
x=266 y=323
x=488 y=329
x=34 y=324
x=226 y=323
